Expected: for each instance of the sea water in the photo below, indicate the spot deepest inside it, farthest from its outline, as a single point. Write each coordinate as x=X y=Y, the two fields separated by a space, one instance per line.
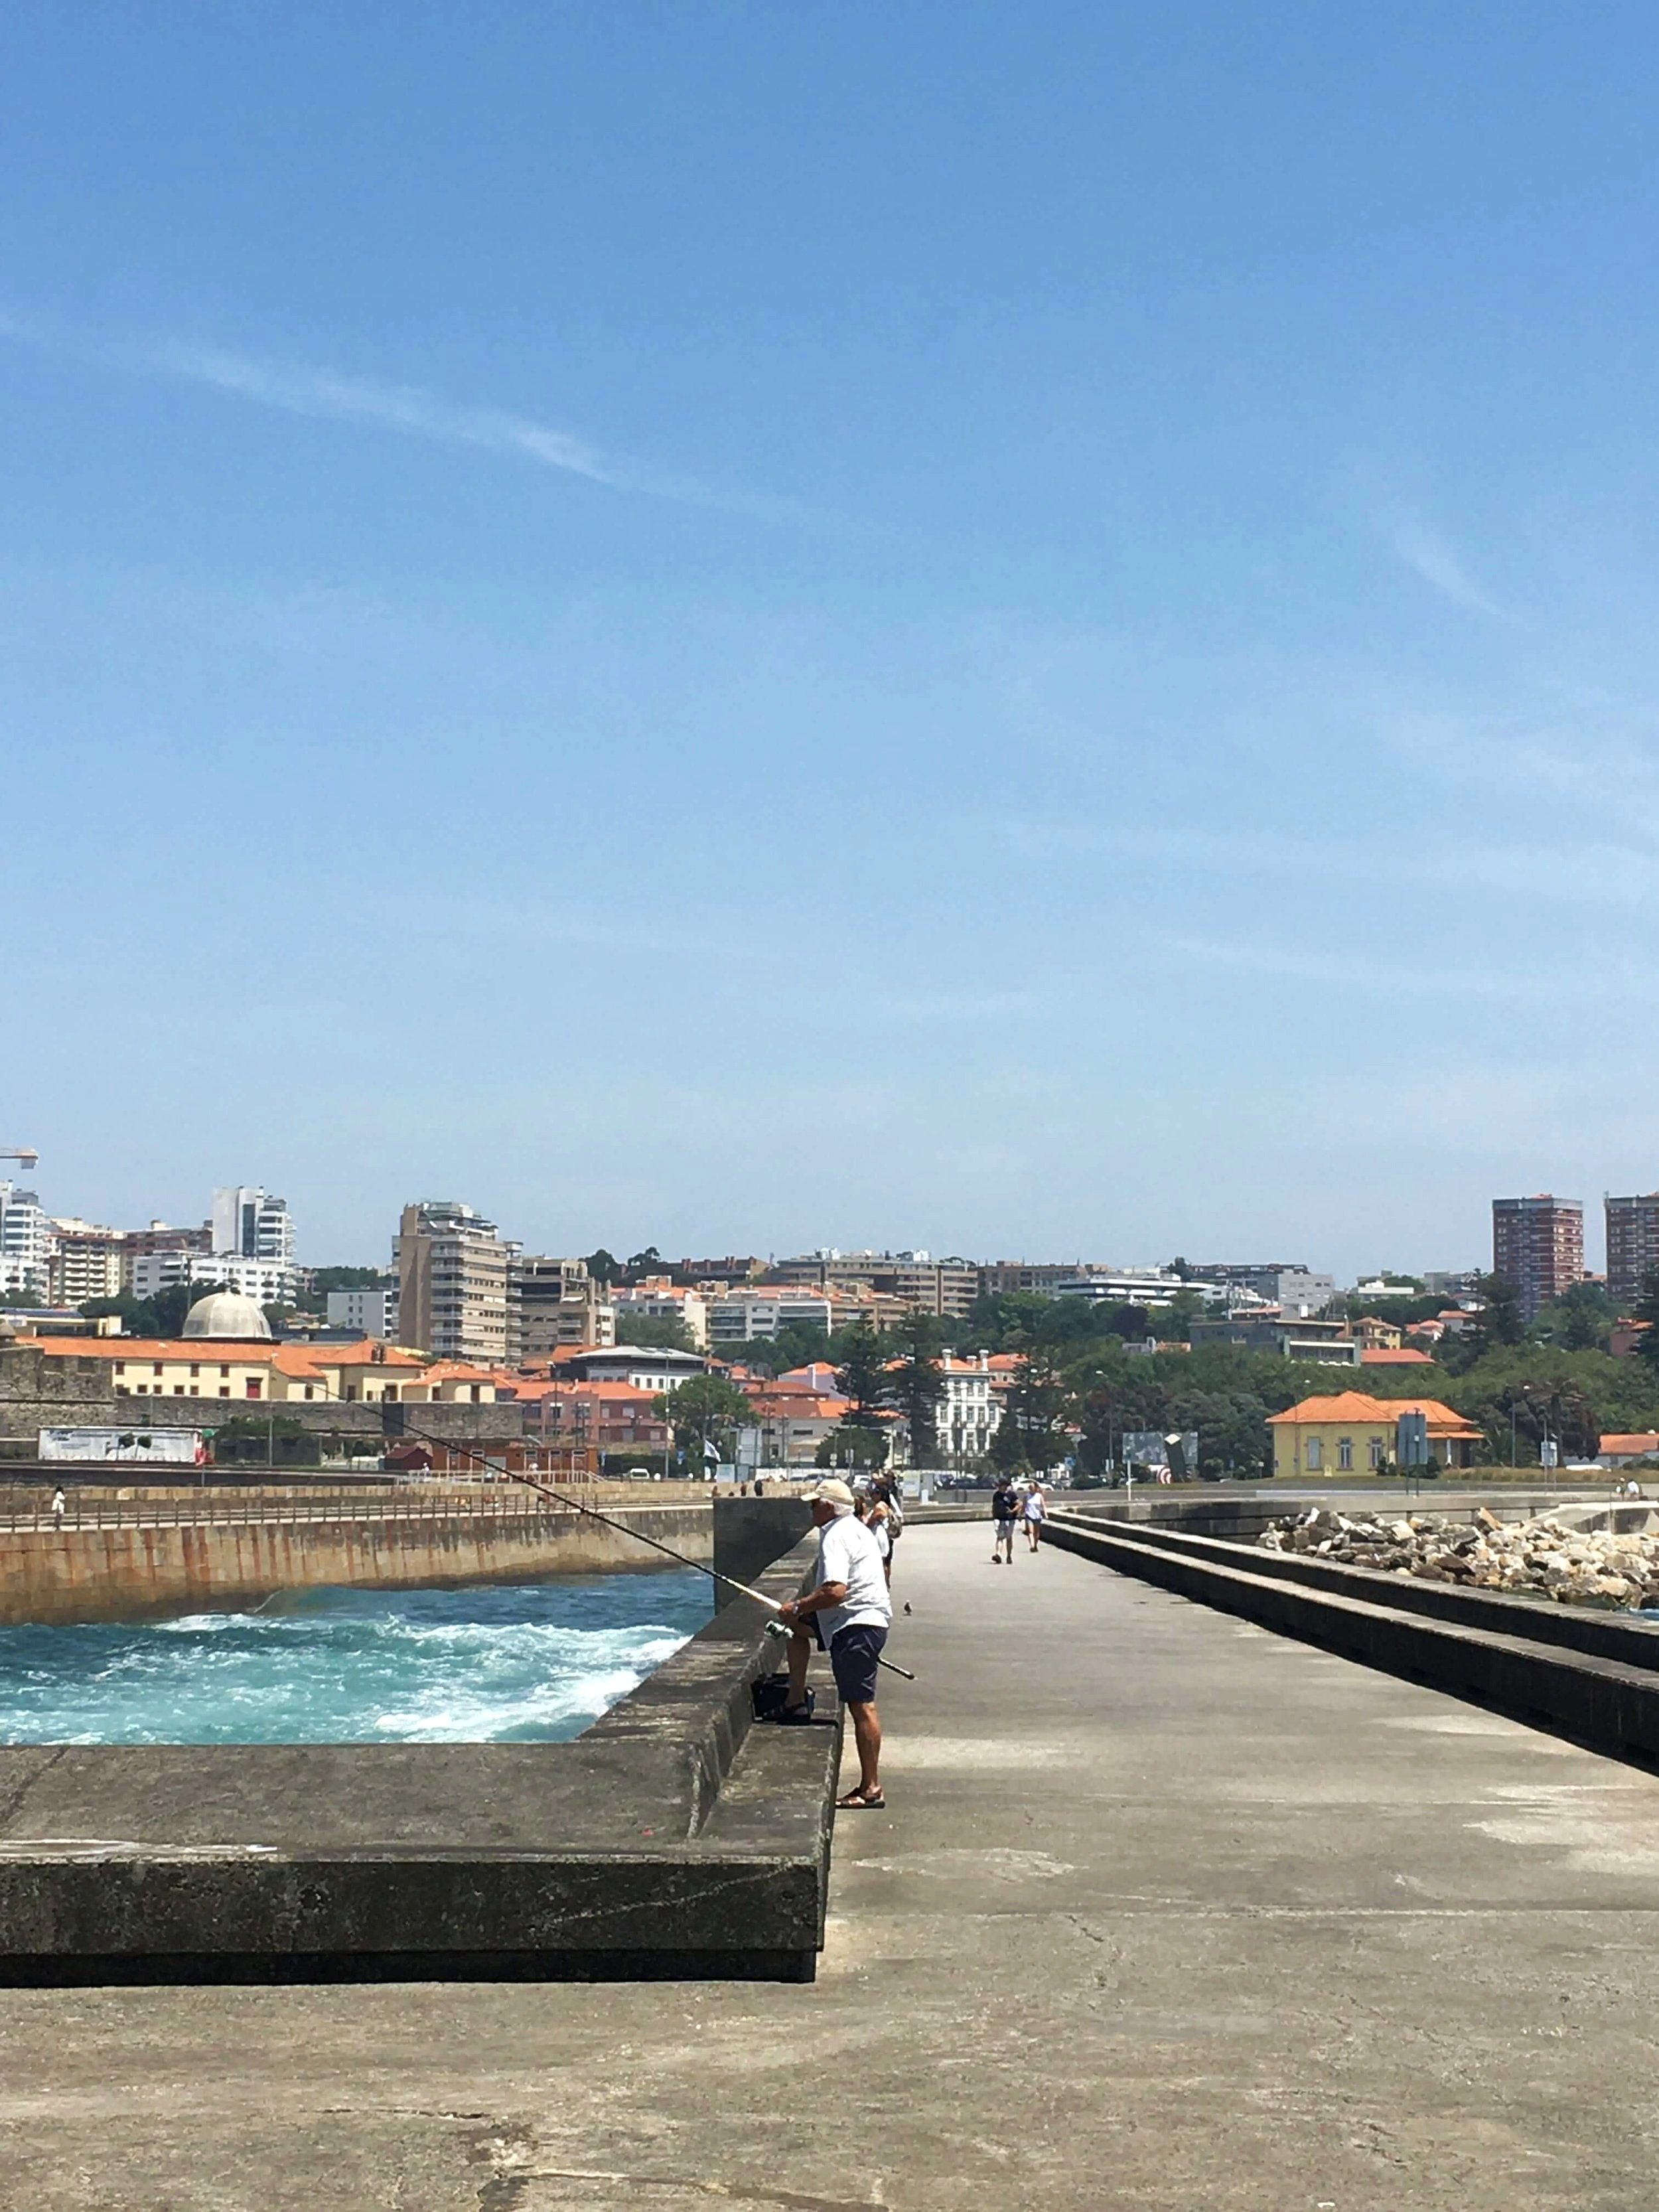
x=526 y=1662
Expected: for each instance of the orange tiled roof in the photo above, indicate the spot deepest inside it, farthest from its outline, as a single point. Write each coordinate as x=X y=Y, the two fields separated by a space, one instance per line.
x=1641 y=1442
x=256 y=1353
x=1404 y=1358
x=1354 y=1406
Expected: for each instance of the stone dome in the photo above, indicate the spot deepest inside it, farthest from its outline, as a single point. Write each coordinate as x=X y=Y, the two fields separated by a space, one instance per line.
x=227 y=1315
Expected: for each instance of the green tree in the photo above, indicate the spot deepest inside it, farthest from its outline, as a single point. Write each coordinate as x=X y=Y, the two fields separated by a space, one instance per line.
x=1580 y=1320
x=1185 y=1308
x=1647 y=1310
x=1008 y=1453
x=915 y=1385
x=1039 y=1403
x=604 y=1267
x=313 y=1298
x=264 y=1440
x=862 y=1375
x=1497 y=1323
x=160 y=1316
x=705 y=1410
x=667 y=1332
x=852 y=1447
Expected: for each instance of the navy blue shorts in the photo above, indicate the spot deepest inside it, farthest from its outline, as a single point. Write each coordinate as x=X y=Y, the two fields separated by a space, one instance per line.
x=852 y=1656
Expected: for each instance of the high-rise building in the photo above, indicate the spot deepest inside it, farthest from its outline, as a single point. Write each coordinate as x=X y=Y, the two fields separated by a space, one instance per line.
x=458 y=1285
x=249 y=1220
x=1538 y=1247
x=25 y=1242
x=1632 y=1245
x=562 y=1306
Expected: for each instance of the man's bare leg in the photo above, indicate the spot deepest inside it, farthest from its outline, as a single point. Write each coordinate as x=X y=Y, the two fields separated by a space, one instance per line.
x=866 y=1734
x=800 y=1651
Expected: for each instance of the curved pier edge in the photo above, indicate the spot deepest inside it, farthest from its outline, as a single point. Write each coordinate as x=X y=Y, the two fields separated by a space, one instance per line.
x=670 y=1842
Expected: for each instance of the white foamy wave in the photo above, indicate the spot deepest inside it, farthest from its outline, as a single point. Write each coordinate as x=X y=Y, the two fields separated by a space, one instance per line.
x=442 y=1717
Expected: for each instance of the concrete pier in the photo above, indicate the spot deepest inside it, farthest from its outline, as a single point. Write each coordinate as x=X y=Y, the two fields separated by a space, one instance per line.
x=1166 y=1911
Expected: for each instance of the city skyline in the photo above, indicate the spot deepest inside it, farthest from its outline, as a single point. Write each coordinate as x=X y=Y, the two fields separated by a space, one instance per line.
x=1010 y=632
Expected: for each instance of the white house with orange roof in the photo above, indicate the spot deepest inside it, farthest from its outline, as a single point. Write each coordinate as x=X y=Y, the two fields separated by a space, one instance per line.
x=1351 y=1433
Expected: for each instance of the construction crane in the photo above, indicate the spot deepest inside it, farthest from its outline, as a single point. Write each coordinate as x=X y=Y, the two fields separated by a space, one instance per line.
x=26 y=1156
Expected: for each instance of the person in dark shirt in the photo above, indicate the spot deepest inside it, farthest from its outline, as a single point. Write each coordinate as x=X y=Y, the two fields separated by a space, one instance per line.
x=1005 y=1512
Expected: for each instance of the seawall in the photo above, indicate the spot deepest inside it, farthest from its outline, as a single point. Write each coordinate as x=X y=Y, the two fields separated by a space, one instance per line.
x=154 y=1568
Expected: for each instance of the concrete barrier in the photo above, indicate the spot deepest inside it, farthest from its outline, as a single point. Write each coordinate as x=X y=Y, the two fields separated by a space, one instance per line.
x=410 y=1542
x=672 y=1840
x=1606 y=1703
x=1540 y=1620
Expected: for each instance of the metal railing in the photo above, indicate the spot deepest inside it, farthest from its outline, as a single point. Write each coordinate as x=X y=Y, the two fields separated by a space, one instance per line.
x=496 y=1503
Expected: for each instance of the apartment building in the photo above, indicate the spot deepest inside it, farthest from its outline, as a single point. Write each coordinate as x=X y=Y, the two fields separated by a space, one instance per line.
x=367 y=1312
x=1632 y=1245
x=246 y=1219
x=999 y=1278
x=660 y=1299
x=561 y=1307
x=915 y=1281
x=740 y=1316
x=25 y=1242
x=1538 y=1247
x=87 y=1262
x=458 y=1285
x=267 y=1282
x=161 y=1236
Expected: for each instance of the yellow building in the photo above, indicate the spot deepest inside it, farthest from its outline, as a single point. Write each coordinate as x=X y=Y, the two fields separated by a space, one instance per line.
x=199 y=1367
x=1353 y=1434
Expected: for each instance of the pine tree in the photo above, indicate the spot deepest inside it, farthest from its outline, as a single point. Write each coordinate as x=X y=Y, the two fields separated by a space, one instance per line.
x=915 y=1385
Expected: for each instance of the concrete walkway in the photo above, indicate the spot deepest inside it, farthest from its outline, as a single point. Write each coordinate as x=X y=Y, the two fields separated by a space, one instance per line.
x=1165 y=1912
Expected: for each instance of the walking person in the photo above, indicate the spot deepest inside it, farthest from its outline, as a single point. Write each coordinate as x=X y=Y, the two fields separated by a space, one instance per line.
x=848 y=1612
x=1005 y=1512
x=59 y=1506
x=1034 y=1512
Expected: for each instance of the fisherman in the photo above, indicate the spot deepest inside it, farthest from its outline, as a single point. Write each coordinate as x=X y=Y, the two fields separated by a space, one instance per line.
x=849 y=1610
x=1005 y=1511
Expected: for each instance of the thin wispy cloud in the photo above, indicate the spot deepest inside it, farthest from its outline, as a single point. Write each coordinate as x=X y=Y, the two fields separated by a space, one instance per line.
x=1426 y=553
x=405 y=410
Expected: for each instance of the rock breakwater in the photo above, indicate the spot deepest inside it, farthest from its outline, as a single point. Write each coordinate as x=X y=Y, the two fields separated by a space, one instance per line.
x=1550 y=1558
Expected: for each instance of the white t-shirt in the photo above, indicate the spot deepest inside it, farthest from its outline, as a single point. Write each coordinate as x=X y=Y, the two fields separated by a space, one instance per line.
x=849 y=1553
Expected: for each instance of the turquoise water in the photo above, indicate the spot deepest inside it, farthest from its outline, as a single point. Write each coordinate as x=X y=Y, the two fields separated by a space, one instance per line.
x=531 y=1662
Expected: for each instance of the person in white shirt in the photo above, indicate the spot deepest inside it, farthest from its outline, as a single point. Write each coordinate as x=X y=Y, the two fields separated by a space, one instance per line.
x=1033 y=1512
x=849 y=1611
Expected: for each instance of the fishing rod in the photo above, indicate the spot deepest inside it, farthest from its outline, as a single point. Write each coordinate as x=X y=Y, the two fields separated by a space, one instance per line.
x=775 y=1627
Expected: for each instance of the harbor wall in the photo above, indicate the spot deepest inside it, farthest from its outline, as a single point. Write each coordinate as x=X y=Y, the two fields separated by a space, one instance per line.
x=150 y=1571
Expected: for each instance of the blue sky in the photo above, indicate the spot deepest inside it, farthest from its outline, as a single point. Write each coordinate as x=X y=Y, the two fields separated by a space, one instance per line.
x=1022 y=630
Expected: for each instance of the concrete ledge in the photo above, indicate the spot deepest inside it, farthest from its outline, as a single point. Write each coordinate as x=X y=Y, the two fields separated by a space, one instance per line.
x=1540 y=1620
x=1606 y=1703
x=670 y=1841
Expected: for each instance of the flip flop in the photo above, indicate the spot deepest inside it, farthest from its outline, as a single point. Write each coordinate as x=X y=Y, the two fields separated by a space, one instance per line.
x=856 y=1802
